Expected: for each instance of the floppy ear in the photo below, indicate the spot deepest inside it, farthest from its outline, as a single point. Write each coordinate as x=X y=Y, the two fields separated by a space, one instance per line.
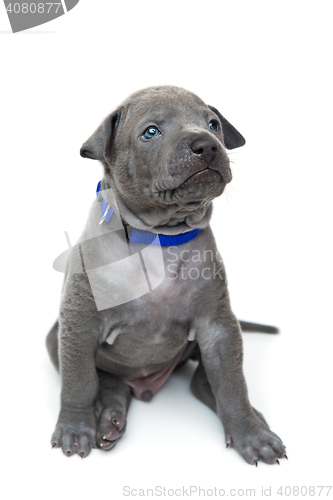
x=232 y=138
x=99 y=145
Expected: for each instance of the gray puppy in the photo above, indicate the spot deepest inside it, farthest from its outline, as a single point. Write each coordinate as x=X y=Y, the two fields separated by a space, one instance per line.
x=145 y=287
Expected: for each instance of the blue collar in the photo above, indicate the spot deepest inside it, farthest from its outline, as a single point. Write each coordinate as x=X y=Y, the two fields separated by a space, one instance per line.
x=145 y=238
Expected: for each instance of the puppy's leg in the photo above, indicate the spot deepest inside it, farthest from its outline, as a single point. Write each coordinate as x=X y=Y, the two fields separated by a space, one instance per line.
x=220 y=344
x=202 y=390
x=111 y=408
x=77 y=344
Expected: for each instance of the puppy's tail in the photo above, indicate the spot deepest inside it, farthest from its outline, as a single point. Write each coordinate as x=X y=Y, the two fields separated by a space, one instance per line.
x=255 y=327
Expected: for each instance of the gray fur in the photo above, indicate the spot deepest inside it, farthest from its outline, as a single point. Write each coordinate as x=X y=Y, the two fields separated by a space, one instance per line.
x=151 y=191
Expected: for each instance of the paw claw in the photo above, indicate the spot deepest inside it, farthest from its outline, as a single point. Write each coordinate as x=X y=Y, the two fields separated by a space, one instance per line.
x=255 y=461
x=54 y=444
x=228 y=444
x=286 y=457
x=277 y=461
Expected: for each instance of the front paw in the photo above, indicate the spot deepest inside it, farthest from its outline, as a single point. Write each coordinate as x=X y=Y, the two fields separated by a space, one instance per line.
x=75 y=432
x=253 y=439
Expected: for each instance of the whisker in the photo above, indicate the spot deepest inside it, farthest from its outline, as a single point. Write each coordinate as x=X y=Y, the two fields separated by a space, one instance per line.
x=227 y=195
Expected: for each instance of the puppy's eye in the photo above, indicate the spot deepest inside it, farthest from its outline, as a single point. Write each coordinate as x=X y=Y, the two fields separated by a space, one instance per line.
x=150 y=132
x=214 y=125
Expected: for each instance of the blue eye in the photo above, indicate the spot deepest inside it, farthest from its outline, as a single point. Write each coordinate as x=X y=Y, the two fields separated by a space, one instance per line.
x=214 y=125
x=151 y=132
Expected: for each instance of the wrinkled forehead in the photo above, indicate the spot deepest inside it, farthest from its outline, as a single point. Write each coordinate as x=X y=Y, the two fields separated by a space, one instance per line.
x=165 y=107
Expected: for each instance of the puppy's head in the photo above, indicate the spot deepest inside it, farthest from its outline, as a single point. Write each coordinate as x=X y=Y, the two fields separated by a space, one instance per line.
x=164 y=153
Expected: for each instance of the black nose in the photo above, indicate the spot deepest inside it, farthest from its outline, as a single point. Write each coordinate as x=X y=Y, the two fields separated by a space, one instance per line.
x=205 y=147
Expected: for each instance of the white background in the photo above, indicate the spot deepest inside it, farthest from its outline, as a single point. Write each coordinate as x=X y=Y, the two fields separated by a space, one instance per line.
x=267 y=67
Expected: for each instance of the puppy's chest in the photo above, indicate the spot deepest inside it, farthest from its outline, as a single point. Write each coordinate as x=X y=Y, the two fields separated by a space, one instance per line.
x=172 y=300
x=164 y=312
x=151 y=277
x=160 y=321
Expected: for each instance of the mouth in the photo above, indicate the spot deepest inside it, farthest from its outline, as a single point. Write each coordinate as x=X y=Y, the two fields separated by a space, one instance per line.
x=202 y=175
x=202 y=185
